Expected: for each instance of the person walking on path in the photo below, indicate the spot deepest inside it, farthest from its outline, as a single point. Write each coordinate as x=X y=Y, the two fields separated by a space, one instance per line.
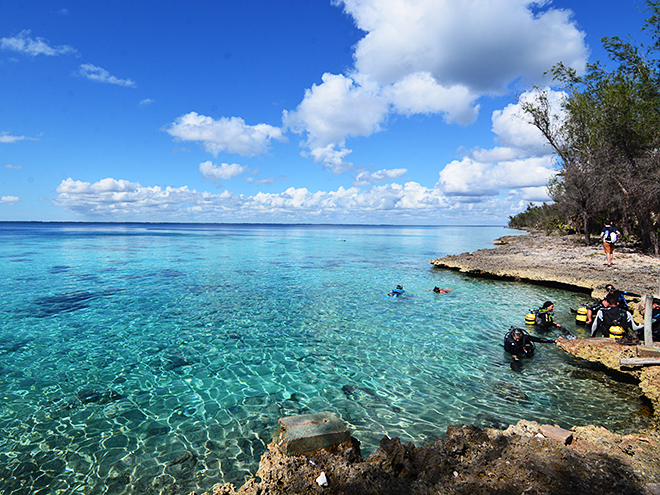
x=609 y=234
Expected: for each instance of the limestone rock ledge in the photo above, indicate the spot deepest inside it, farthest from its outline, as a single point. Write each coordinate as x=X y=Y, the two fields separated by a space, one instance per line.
x=471 y=461
x=561 y=261
x=609 y=353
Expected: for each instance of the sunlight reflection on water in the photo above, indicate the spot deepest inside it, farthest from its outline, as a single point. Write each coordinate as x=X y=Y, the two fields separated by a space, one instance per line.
x=136 y=356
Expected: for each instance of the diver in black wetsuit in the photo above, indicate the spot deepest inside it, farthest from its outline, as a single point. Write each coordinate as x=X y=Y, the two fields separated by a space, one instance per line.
x=520 y=344
x=619 y=294
x=545 y=320
x=544 y=316
x=613 y=316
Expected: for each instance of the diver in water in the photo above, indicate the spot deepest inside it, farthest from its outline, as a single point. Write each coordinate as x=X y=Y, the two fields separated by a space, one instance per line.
x=438 y=290
x=545 y=316
x=396 y=292
x=545 y=319
x=520 y=344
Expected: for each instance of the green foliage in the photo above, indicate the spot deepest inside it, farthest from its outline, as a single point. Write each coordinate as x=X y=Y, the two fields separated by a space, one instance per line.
x=547 y=217
x=607 y=139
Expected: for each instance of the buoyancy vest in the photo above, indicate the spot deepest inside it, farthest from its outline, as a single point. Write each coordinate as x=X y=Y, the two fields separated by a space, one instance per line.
x=523 y=347
x=613 y=317
x=544 y=318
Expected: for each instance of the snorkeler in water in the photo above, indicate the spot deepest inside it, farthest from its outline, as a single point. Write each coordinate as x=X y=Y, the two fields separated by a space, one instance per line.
x=396 y=292
x=438 y=290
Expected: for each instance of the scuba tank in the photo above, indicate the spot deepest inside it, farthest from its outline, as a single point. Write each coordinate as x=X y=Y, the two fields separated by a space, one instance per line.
x=616 y=332
x=581 y=316
x=530 y=319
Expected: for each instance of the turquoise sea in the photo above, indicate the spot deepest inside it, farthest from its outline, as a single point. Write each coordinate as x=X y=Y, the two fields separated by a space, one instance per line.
x=157 y=358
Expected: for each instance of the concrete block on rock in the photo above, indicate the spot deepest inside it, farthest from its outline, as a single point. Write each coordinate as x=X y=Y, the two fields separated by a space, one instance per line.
x=556 y=433
x=308 y=433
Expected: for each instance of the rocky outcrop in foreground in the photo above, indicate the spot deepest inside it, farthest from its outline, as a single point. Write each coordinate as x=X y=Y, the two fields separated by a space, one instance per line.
x=525 y=458
x=561 y=262
x=471 y=461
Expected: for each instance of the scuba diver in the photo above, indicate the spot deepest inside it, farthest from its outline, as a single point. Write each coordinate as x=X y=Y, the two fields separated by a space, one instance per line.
x=520 y=345
x=614 y=320
x=544 y=318
x=623 y=304
x=593 y=310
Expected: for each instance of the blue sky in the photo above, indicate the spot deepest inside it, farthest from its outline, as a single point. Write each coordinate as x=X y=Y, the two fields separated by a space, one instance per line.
x=295 y=111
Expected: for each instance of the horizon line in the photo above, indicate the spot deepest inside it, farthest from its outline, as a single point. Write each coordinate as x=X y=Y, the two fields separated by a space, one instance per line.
x=247 y=223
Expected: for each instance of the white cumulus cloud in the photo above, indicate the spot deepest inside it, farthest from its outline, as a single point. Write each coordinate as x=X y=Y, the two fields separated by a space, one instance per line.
x=230 y=135
x=513 y=127
x=481 y=45
x=419 y=93
x=335 y=109
x=7 y=138
x=409 y=203
x=524 y=161
x=368 y=178
x=6 y=200
x=468 y=177
x=432 y=57
x=333 y=160
x=223 y=171
x=122 y=199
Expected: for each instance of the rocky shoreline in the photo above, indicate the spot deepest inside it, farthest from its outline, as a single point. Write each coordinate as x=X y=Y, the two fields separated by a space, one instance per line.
x=561 y=262
x=520 y=459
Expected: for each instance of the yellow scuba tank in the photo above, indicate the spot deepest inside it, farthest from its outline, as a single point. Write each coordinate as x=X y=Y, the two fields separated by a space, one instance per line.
x=581 y=317
x=616 y=332
x=530 y=319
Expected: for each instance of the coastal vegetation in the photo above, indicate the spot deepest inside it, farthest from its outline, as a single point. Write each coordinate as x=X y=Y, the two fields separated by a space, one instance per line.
x=606 y=139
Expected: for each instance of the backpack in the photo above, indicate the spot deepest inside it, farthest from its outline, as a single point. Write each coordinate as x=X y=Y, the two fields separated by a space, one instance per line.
x=610 y=237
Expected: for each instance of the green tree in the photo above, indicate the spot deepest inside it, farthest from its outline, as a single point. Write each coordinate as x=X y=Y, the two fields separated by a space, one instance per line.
x=607 y=140
x=575 y=188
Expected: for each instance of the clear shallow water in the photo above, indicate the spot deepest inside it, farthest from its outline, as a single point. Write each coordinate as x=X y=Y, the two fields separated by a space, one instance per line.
x=136 y=356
